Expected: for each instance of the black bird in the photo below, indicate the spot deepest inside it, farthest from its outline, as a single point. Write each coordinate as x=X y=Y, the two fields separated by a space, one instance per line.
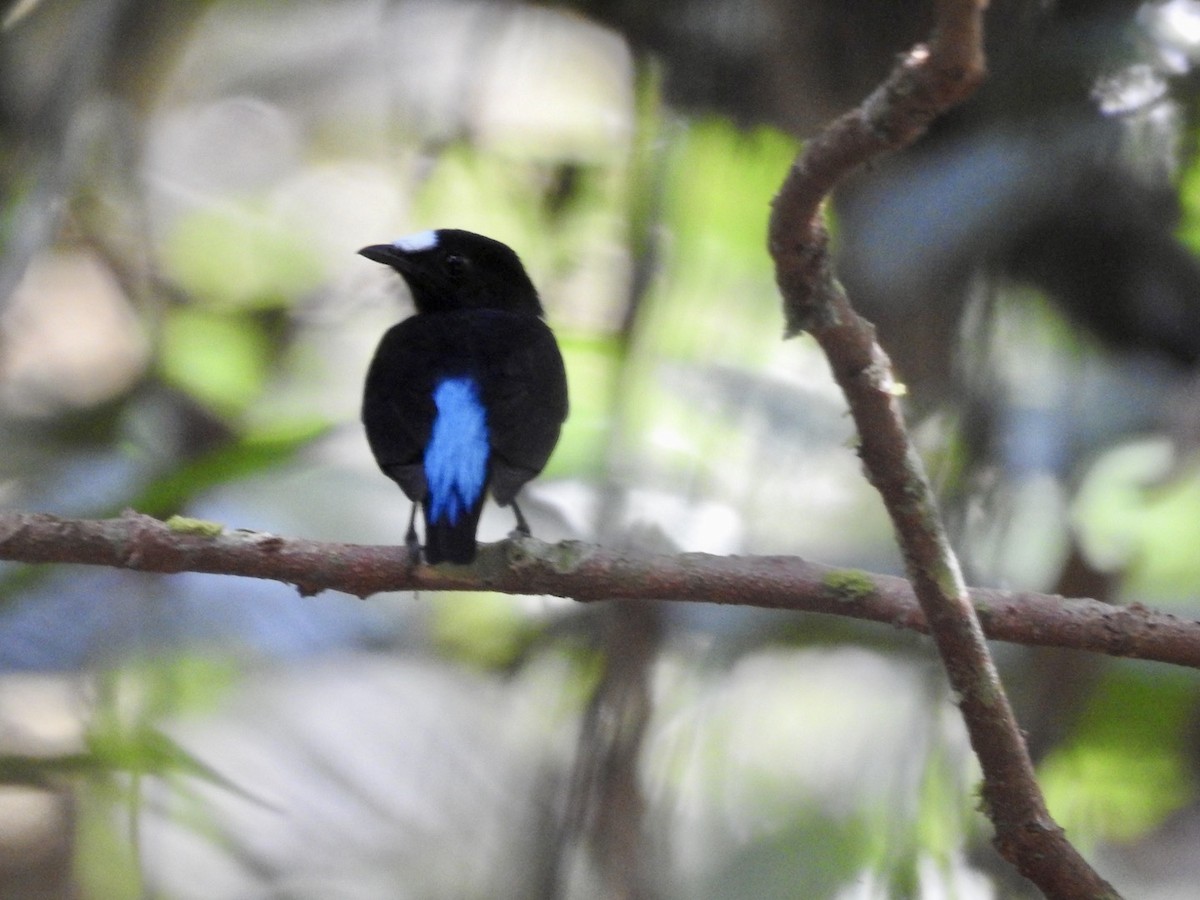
x=467 y=395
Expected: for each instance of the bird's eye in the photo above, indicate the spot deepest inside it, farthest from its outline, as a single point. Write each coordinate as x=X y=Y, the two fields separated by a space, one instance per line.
x=456 y=265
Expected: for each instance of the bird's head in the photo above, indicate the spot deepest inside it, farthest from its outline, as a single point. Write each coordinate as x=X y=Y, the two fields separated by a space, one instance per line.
x=450 y=269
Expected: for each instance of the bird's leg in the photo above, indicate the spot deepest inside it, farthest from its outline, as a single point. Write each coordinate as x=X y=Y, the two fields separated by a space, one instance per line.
x=410 y=537
x=522 y=526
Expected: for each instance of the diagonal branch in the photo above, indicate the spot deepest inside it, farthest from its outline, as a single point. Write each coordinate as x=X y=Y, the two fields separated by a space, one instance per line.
x=926 y=82
x=588 y=573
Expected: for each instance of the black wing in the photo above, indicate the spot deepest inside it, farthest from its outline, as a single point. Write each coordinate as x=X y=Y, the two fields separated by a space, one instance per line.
x=398 y=408
x=526 y=399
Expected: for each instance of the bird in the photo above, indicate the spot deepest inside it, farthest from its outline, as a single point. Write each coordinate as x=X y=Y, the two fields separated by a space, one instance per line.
x=469 y=394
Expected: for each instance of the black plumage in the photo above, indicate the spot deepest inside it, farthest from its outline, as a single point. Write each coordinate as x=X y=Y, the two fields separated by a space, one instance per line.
x=469 y=394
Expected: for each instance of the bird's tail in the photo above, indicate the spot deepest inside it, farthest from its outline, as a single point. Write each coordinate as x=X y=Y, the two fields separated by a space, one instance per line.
x=452 y=542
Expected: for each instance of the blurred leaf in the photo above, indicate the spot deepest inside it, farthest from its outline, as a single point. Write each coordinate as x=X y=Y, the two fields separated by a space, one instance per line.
x=254 y=453
x=21 y=768
x=220 y=360
x=1189 y=199
x=481 y=192
x=137 y=750
x=1128 y=516
x=106 y=861
x=720 y=190
x=1124 y=770
x=124 y=740
x=944 y=808
x=232 y=258
x=815 y=857
x=181 y=682
x=593 y=365
x=718 y=300
x=486 y=630
x=522 y=203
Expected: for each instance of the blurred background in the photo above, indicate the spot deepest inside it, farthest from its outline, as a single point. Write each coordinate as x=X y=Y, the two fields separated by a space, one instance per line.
x=185 y=326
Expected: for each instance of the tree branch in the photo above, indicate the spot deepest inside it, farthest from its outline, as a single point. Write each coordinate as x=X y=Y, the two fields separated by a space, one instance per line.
x=587 y=573
x=926 y=82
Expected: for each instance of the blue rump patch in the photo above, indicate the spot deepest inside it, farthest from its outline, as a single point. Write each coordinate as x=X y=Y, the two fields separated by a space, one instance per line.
x=457 y=456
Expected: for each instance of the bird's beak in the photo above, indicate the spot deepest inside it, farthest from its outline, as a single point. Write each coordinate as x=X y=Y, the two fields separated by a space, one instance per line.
x=386 y=254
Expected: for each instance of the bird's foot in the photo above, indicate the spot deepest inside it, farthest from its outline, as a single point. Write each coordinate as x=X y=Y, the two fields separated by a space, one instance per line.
x=413 y=544
x=522 y=529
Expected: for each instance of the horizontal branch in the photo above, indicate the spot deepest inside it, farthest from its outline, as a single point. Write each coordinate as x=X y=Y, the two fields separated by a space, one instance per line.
x=586 y=572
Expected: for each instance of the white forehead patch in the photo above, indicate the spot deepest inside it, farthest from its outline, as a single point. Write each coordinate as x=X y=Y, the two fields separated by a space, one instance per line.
x=414 y=243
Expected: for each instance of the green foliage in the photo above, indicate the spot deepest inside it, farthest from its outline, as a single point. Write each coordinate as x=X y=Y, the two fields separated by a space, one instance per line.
x=815 y=857
x=485 y=630
x=480 y=192
x=239 y=258
x=1136 y=512
x=1189 y=199
x=105 y=860
x=944 y=812
x=219 y=359
x=719 y=280
x=720 y=186
x=593 y=369
x=255 y=452
x=123 y=745
x=1124 y=769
